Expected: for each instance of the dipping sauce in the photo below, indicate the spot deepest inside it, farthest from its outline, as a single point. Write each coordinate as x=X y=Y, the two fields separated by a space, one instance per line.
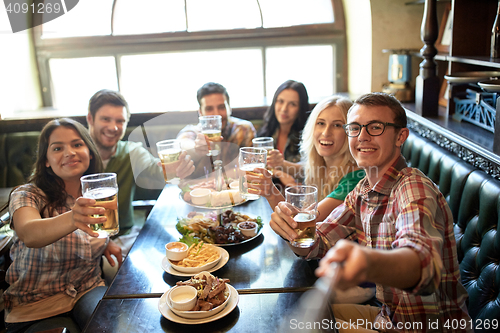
x=177 y=247
x=247 y=225
x=181 y=298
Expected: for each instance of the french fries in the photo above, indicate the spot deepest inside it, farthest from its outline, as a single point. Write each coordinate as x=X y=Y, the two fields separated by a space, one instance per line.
x=199 y=255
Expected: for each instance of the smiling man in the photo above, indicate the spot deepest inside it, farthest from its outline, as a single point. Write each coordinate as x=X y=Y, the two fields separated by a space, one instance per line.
x=394 y=229
x=213 y=100
x=107 y=120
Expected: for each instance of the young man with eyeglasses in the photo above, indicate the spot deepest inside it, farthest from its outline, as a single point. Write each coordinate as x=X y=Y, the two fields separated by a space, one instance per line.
x=394 y=229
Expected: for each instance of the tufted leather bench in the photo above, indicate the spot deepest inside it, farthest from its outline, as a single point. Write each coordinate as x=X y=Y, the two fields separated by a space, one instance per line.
x=474 y=199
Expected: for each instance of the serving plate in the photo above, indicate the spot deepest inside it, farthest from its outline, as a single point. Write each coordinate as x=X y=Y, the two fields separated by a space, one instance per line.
x=211 y=207
x=471 y=77
x=199 y=314
x=242 y=242
x=490 y=85
x=167 y=267
x=168 y=314
x=205 y=267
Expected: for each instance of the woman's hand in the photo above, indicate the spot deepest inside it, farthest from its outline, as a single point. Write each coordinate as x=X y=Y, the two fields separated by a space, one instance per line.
x=82 y=211
x=116 y=251
x=260 y=182
x=275 y=159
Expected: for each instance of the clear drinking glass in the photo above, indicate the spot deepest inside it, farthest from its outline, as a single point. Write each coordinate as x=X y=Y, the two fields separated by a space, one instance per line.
x=168 y=152
x=211 y=127
x=265 y=142
x=249 y=159
x=103 y=188
x=303 y=202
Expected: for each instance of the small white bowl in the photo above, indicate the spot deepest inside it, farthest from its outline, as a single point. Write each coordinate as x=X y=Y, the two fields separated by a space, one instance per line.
x=245 y=230
x=197 y=269
x=176 y=251
x=183 y=298
x=200 y=196
x=234 y=185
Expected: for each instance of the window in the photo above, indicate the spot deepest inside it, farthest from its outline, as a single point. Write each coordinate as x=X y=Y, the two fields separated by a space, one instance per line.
x=158 y=53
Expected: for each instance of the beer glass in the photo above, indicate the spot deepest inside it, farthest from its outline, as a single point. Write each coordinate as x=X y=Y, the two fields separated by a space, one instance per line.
x=267 y=143
x=103 y=188
x=249 y=159
x=303 y=202
x=168 y=152
x=211 y=127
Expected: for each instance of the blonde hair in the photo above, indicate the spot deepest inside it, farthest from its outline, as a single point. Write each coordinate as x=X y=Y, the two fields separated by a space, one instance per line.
x=316 y=172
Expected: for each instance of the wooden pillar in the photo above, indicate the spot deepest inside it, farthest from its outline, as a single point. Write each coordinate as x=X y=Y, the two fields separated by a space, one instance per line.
x=427 y=85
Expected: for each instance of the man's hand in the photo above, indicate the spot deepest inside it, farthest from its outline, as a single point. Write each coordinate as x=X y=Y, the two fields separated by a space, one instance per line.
x=201 y=142
x=355 y=263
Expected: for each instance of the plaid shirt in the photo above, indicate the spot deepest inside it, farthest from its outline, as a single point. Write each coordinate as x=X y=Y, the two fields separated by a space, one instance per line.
x=66 y=266
x=404 y=209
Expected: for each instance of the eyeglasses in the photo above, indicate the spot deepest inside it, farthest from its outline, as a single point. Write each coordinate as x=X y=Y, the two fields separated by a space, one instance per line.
x=374 y=128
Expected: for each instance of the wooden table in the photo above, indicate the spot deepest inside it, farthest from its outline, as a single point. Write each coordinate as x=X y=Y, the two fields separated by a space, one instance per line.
x=267 y=274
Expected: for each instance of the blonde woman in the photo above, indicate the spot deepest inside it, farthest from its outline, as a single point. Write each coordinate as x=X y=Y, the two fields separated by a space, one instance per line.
x=325 y=159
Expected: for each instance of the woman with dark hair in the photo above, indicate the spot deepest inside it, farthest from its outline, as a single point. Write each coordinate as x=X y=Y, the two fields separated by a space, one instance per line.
x=55 y=275
x=284 y=121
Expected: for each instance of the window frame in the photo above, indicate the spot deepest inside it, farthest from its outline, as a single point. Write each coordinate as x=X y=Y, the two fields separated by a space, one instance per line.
x=117 y=46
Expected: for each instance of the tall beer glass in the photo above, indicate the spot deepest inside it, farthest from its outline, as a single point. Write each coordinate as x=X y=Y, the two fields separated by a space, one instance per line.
x=303 y=202
x=103 y=188
x=267 y=143
x=168 y=152
x=211 y=127
x=249 y=159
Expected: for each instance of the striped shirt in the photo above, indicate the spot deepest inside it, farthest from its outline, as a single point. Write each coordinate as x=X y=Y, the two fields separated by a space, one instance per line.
x=69 y=265
x=404 y=209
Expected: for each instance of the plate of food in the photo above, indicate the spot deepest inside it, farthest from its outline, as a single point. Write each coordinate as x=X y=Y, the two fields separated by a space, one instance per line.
x=215 y=299
x=167 y=266
x=197 y=227
x=205 y=195
x=471 y=77
x=200 y=257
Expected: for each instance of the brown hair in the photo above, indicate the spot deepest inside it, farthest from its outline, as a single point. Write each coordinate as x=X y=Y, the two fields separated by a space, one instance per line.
x=383 y=99
x=106 y=96
x=44 y=178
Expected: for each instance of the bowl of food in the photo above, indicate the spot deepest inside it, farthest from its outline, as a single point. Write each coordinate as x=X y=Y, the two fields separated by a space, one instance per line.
x=200 y=196
x=200 y=257
x=183 y=298
x=248 y=228
x=212 y=296
x=176 y=251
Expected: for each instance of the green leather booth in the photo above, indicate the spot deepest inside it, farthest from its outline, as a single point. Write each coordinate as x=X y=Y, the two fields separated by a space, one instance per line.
x=474 y=199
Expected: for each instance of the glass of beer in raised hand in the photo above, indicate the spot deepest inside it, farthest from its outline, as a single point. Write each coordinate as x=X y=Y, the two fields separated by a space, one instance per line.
x=303 y=202
x=169 y=152
x=267 y=143
x=211 y=127
x=103 y=188
x=249 y=159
